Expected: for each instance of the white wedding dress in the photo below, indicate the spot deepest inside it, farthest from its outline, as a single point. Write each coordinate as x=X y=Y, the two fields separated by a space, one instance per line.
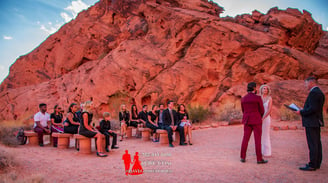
x=266 y=143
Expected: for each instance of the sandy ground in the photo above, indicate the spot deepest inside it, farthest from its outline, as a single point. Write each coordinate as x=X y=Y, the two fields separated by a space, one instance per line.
x=214 y=157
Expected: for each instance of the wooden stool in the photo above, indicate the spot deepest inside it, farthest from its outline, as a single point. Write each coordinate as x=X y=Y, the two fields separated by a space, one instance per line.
x=63 y=139
x=32 y=138
x=163 y=137
x=145 y=133
x=129 y=131
x=84 y=144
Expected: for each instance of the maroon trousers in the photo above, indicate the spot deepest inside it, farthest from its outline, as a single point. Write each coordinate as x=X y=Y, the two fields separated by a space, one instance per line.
x=40 y=133
x=257 y=137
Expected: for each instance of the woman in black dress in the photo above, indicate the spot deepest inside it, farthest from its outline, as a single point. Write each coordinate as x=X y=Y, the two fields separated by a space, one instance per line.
x=88 y=131
x=56 y=123
x=185 y=123
x=134 y=120
x=124 y=117
x=152 y=123
x=72 y=123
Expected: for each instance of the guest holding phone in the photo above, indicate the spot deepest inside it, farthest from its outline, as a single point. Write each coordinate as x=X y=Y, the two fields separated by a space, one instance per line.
x=185 y=123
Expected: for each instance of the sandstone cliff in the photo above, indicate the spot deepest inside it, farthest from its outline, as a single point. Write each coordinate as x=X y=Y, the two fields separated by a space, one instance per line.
x=149 y=51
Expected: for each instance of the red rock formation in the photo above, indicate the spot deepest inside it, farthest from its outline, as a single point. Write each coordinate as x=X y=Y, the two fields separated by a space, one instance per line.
x=146 y=52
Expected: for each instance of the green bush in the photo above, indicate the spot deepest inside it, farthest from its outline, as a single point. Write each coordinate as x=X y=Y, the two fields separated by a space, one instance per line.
x=198 y=113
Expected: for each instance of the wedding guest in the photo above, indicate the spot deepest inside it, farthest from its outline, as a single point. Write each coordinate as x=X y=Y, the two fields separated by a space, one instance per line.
x=152 y=123
x=143 y=116
x=160 y=116
x=185 y=123
x=312 y=120
x=171 y=123
x=105 y=128
x=88 y=131
x=252 y=107
x=79 y=112
x=42 y=122
x=124 y=117
x=134 y=120
x=56 y=123
x=265 y=93
x=72 y=122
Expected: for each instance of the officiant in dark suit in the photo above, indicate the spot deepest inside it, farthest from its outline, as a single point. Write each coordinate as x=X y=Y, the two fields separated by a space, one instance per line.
x=312 y=120
x=171 y=123
x=253 y=110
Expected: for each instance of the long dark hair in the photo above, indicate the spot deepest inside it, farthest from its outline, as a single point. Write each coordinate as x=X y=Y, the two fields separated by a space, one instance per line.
x=55 y=108
x=70 y=107
x=179 y=107
x=132 y=111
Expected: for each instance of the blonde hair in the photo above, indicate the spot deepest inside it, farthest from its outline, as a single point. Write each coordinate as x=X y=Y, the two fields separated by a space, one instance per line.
x=261 y=90
x=87 y=106
x=122 y=107
x=106 y=114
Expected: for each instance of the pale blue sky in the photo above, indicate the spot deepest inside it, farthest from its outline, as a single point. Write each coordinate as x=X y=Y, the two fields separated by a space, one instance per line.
x=24 y=24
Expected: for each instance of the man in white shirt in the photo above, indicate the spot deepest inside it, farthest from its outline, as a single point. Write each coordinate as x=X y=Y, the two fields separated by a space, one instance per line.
x=42 y=122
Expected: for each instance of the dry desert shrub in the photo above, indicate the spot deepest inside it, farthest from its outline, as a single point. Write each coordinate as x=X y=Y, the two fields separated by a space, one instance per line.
x=7 y=136
x=198 y=113
x=229 y=113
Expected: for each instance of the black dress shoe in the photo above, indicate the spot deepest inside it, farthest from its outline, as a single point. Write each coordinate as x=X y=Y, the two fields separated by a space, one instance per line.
x=307 y=168
x=262 y=161
x=41 y=145
x=183 y=144
x=101 y=155
x=115 y=147
x=171 y=145
x=309 y=165
x=107 y=150
x=242 y=160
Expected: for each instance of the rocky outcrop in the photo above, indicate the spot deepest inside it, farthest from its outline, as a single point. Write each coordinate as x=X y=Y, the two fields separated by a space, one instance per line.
x=149 y=51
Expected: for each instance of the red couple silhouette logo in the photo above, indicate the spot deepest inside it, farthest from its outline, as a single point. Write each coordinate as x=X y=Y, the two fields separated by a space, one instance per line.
x=136 y=168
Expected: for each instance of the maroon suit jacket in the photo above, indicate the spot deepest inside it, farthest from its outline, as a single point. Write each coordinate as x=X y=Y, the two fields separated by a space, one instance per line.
x=252 y=107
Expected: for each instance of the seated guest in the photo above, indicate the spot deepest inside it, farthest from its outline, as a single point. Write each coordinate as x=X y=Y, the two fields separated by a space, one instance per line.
x=134 y=120
x=41 y=122
x=88 y=131
x=143 y=116
x=72 y=123
x=171 y=123
x=185 y=123
x=79 y=112
x=105 y=129
x=152 y=123
x=56 y=121
x=124 y=116
x=160 y=116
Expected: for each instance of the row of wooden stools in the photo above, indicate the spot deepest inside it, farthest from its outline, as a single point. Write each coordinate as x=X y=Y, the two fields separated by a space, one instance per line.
x=64 y=141
x=145 y=134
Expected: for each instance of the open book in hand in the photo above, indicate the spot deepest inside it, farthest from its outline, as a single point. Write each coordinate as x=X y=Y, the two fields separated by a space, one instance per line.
x=293 y=107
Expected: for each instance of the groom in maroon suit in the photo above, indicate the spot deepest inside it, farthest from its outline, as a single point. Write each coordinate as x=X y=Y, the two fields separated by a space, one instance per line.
x=252 y=107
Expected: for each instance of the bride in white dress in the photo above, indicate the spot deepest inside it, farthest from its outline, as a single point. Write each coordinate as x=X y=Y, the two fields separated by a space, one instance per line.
x=265 y=93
